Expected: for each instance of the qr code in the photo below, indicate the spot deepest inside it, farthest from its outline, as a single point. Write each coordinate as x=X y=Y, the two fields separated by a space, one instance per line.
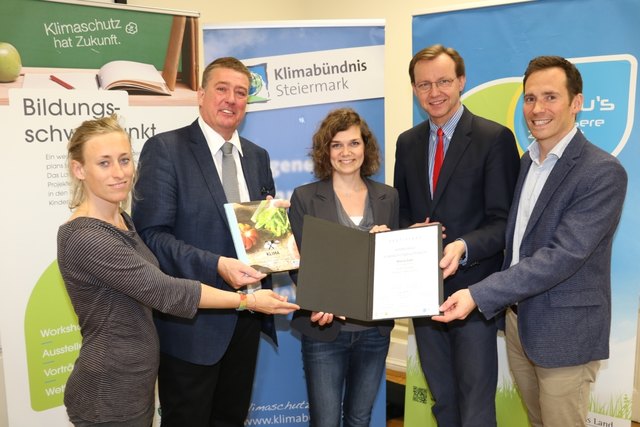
x=420 y=395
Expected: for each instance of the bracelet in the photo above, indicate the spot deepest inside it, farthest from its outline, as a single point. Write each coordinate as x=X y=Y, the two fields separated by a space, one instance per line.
x=255 y=302
x=243 y=301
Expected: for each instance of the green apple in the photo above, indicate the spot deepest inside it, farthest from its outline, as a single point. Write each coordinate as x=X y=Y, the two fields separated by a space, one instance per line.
x=10 y=63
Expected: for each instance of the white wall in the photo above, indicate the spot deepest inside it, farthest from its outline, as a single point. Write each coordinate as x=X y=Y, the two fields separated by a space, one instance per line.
x=397 y=14
x=398 y=52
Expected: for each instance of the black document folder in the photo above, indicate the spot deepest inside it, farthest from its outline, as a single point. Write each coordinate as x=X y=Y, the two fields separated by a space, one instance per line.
x=367 y=276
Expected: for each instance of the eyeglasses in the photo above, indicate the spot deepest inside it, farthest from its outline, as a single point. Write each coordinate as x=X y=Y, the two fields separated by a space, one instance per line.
x=425 y=87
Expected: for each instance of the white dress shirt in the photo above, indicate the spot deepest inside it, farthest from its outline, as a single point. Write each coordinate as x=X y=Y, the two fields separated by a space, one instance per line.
x=215 y=141
x=533 y=184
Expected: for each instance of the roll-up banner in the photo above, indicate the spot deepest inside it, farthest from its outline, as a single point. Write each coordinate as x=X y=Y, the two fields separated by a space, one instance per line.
x=497 y=41
x=301 y=71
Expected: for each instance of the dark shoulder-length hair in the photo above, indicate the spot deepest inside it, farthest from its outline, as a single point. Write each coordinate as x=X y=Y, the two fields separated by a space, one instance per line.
x=337 y=121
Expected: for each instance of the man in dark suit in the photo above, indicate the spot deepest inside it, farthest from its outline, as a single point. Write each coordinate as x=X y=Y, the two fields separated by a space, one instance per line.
x=206 y=364
x=469 y=190
x=566 y=209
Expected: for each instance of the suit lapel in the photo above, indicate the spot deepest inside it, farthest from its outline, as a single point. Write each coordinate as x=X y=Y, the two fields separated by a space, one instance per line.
x=249 y=170
x=525 y=163
x=325 y=202
x=558 y=174
x=204 y=159
x=420 y=155
x=380 y=204
x=457 y=146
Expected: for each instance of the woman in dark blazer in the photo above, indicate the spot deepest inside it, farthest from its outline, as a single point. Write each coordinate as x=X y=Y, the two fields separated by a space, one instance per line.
x=343 y=354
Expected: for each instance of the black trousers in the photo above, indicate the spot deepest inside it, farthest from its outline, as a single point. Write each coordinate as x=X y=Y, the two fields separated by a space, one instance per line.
x=211 y=396
x=460 y=362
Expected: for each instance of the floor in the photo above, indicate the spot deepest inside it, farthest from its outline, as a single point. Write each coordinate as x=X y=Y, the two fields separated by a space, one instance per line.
x=394 y=377
x=398 y=378
x=398 y=422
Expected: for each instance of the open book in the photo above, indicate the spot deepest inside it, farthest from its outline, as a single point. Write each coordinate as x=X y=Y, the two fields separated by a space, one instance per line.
x=136 y=78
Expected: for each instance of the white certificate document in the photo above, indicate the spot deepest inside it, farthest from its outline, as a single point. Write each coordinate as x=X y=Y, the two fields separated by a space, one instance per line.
x=407 y=280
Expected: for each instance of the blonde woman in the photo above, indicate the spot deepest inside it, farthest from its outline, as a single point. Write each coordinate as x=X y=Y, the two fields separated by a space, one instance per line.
x=114 y=283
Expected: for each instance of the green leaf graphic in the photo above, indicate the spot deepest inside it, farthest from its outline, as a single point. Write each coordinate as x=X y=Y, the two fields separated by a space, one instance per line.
x=52 y=338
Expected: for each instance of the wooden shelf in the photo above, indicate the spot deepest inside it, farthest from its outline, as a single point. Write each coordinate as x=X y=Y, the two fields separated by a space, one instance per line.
x=183 y=95
x=396 y=377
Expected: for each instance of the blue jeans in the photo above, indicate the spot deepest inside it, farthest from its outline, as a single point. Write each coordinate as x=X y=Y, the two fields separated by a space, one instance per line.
x=343 y=377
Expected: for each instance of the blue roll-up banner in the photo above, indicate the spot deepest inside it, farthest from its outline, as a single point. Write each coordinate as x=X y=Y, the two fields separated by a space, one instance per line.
x=497 y=43
x=301 y=71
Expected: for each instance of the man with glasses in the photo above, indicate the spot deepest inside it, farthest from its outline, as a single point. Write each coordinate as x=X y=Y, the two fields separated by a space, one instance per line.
x=458 y=169
x=557 y=269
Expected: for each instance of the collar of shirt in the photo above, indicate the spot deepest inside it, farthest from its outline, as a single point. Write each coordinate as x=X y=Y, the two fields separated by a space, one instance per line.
x=215 y=140
x=557 y=151
x=447 y=128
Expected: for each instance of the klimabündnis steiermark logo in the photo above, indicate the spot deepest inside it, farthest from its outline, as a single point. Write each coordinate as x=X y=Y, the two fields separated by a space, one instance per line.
x=259 y=89
x=609 y=88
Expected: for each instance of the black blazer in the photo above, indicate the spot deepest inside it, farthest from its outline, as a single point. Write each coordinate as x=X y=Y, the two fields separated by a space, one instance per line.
x=317 y=199
x=474 y=192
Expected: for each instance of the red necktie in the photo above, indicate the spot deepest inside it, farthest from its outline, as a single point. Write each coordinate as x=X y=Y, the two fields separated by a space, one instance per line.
x=437 y=161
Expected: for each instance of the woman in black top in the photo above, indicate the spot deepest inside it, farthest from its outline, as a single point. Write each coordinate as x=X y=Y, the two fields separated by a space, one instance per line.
x=344 y=359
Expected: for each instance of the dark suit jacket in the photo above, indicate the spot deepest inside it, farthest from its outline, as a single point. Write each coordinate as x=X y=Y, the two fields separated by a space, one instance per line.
x=178 y=210
x=317 y=199
x=562 y=282
x=474 y=192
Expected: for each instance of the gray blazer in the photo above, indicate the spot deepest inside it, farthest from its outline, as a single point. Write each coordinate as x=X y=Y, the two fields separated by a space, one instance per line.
x=317 y=199
x=562 y=282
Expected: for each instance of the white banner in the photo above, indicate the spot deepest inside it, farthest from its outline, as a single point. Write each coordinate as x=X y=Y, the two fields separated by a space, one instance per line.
x=38 y=327
x=317 y=77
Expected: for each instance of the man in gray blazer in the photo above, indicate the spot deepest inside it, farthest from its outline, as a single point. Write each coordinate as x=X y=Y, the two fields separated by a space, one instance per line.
x=207 y=363
x=556 y=282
